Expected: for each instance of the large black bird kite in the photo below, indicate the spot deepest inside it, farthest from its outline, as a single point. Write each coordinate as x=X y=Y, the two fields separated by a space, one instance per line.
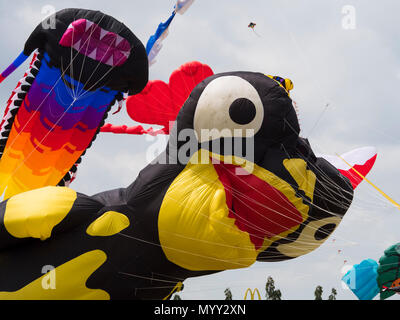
x=201 y=207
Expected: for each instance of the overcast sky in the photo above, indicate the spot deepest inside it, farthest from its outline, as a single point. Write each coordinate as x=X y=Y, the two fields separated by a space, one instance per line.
x=355 y=70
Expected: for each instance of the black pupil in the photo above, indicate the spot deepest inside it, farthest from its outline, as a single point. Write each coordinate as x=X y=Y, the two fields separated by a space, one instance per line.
x=242 y=111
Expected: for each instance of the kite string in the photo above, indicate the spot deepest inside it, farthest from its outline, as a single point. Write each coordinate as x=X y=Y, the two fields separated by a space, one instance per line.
x=318 y=119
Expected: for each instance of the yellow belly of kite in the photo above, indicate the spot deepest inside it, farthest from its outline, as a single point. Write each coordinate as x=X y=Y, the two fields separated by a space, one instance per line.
x=66 y=282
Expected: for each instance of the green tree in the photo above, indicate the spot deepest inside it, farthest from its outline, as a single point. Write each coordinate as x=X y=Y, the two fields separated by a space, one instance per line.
x=318 y=293
x=228 y=294
x=270 y=292
x=333 y=294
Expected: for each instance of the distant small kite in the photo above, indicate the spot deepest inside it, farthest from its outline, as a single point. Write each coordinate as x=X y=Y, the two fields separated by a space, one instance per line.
x=252 y=25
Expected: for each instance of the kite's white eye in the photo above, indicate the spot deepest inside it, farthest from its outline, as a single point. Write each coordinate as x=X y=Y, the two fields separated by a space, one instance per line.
x=228 y=107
